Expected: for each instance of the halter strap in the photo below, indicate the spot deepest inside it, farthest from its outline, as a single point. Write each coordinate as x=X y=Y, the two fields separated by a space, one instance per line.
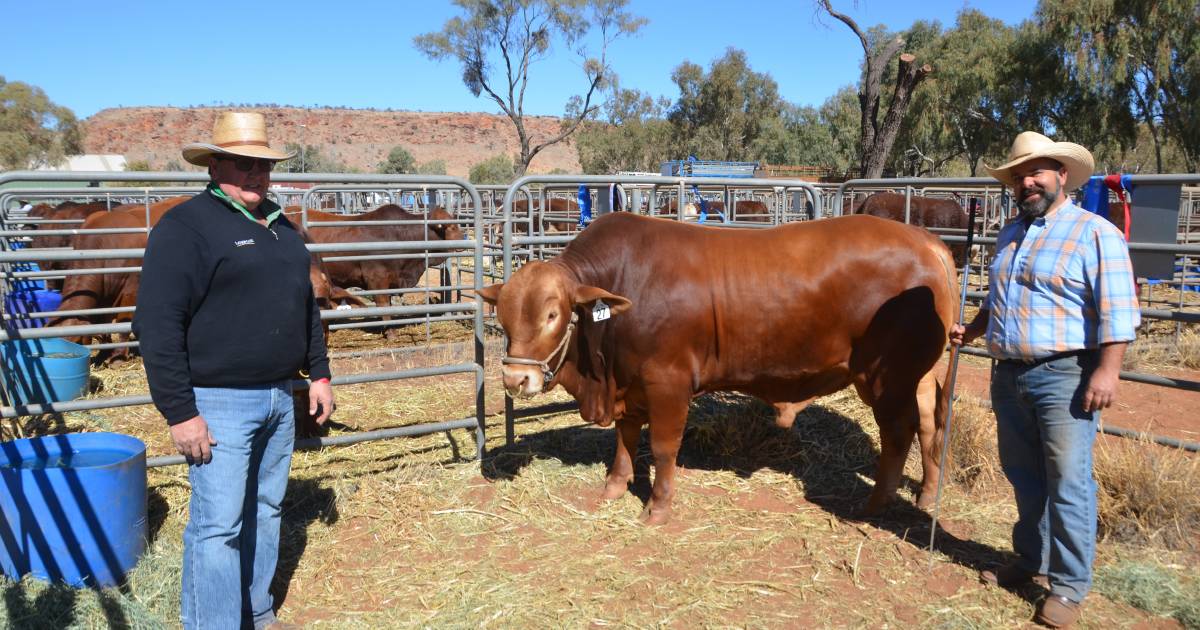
x=548 y=372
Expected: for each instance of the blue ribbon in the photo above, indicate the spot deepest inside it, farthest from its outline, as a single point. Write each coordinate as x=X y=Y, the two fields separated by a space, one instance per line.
x=585 y=206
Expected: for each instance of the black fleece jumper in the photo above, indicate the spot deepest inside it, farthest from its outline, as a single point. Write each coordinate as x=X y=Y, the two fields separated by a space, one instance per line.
x=224 y=301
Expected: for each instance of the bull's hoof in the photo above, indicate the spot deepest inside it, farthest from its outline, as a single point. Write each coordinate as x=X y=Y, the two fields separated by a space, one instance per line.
x=655 y=516
x=615 y=488
x=926 y=499
x=391 y=334
x=874 y=507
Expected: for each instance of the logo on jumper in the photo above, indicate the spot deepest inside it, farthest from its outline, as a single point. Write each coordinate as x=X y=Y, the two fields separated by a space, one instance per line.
x=243 y=243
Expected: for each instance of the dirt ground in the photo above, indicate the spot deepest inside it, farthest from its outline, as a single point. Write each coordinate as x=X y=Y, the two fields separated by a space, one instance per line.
x=1148 y=408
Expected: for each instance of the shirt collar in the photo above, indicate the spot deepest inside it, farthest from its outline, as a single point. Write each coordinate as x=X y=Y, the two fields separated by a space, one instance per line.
x=272 y=210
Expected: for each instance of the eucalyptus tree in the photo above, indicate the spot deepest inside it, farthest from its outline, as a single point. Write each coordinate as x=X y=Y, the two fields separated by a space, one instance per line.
x=498 y=43
x=34 y=131
x=1138 y=56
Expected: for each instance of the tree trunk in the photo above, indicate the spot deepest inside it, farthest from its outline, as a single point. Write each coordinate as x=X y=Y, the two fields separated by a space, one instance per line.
x=906 y=82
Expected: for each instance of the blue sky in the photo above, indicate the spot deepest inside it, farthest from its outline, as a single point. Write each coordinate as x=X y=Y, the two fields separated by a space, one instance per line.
x=91 y=55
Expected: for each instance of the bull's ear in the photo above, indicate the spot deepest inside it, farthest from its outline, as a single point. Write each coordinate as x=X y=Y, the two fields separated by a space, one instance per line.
x=491 y=293
x=588 y=295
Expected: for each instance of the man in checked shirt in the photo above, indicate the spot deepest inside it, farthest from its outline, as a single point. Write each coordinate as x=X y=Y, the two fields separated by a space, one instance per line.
x=1061 y=309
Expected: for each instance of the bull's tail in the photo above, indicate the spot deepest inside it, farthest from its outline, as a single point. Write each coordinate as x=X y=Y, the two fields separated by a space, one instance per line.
x=942 y=253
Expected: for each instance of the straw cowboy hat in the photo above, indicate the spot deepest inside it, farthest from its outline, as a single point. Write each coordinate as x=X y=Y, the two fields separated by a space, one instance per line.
x=1031 y=145
x=243 y=134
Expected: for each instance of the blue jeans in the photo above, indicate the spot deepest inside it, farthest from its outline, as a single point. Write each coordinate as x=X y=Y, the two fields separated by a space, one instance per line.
x=1045 y=440
x=231 y=543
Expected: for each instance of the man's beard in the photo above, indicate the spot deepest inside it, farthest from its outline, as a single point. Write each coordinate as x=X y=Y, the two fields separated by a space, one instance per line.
x=1035 y=208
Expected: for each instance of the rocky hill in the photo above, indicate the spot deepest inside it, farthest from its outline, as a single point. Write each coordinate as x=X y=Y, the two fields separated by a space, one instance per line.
x=359 y=139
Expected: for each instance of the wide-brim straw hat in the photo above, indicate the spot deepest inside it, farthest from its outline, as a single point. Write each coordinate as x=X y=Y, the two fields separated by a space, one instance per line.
x=242 y=134
x=1031 y=145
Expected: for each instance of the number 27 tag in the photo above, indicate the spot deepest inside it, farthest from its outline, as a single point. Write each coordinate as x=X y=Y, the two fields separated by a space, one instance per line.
x=600 y=311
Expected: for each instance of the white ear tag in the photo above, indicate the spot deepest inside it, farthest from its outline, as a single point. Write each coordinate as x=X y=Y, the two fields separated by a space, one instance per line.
x=600 y=311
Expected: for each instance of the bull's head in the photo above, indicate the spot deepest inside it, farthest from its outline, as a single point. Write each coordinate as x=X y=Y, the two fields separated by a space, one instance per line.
x=541 y=309
x=446 y=228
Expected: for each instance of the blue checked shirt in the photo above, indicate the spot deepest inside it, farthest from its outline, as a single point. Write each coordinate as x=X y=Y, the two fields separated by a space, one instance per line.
x=1063 y=284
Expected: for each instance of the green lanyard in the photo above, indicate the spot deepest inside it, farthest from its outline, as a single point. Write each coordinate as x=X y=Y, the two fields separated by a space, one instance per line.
x=220 y=194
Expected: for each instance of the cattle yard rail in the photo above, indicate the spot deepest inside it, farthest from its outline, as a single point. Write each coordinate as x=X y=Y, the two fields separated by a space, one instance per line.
x=471 y=309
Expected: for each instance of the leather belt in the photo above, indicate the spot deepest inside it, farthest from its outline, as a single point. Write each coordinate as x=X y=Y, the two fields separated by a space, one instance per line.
x=1046 y=359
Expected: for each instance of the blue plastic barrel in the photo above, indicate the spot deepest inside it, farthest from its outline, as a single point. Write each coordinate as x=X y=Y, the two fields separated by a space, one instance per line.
x=31 y=301
x=73 y=507
x=39 y=371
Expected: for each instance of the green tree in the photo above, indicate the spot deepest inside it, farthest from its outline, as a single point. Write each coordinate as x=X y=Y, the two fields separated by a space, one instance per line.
x=399 y=161
x=725 y=113
x=840 y=114
x=34 y=131
x=498 y=169
x=1139 y=56
x=309 y=159
x=432 y=167
x=632 y=135
x=958 y=115
x=138 y=166
x=512 y=36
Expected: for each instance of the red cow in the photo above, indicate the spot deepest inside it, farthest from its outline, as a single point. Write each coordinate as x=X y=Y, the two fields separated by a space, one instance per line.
x=927 y=212
x=120 y=289
x=563 y=213
x=747 y=210
x=694 y=309
x=395 y=273
x=66 y=211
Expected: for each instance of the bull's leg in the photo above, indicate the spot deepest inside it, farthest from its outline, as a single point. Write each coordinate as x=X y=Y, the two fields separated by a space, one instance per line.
x=128 y=298
x=785 y=412
x=897 y=418
x=668 y=415
x=629 y=431
x=930 y=436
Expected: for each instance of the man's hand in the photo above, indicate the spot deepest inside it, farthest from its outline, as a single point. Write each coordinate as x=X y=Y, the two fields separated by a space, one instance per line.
x=193 y=440
x=320 y=396
x=962 y=335
x=1101 y=391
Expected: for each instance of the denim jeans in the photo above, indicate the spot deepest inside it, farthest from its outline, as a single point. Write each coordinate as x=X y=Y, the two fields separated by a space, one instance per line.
x=231 y=542
x=1045 y=440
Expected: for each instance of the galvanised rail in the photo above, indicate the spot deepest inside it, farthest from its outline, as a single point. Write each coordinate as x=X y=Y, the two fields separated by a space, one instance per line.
x=472 y=309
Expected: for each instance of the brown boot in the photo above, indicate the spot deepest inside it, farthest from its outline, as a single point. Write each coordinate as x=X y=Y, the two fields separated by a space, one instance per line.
x=1012 y=576
x=1057 y=611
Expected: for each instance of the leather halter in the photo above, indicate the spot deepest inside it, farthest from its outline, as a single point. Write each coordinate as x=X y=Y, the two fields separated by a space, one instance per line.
x=548 y=372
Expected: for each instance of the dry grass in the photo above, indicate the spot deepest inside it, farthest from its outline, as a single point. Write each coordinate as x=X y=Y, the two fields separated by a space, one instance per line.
x=1149 y=495
x=974 y=461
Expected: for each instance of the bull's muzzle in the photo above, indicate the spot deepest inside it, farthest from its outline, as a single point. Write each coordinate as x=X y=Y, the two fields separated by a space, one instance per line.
x=523 y=381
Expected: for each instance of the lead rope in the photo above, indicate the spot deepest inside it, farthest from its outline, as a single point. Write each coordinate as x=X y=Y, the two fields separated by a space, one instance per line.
x=547 y=372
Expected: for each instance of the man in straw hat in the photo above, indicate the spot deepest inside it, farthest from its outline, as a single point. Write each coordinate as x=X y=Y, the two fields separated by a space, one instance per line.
x=226 y=317
x=1061 y=308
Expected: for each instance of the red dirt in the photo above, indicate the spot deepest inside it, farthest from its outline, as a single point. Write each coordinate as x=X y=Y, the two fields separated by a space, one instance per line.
x=1141 y=407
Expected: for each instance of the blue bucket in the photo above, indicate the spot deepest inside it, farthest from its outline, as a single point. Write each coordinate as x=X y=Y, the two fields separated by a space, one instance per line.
x=73 y=508
x=31 y=300
x=39 y=371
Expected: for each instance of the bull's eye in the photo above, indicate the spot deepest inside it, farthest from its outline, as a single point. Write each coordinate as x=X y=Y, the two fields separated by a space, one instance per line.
x=551 y=317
